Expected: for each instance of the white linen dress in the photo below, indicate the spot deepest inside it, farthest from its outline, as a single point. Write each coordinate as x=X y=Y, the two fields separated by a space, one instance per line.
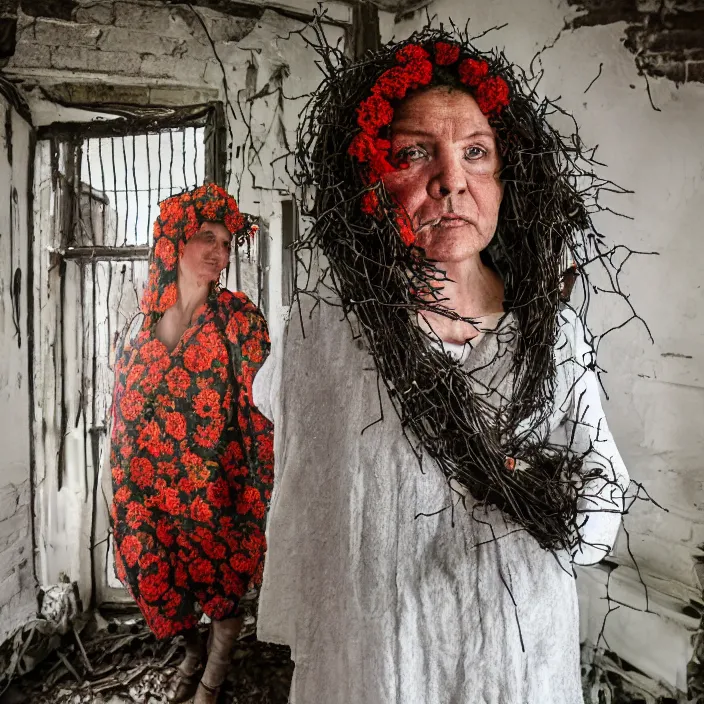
x=381 y=605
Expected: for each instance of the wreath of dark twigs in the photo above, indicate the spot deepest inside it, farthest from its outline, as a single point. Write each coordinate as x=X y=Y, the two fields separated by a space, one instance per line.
x=551 y=192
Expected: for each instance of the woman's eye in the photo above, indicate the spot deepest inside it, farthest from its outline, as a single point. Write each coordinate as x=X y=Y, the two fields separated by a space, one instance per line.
x=475 y=153
x=410 y=154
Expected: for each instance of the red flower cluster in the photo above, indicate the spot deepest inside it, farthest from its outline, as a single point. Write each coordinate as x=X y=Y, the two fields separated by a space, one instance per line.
x=414 y=69
x=473 y=72
x=446 y=53
x=492 y=95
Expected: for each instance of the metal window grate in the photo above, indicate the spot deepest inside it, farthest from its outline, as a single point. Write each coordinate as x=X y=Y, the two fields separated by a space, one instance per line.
x=133 y=173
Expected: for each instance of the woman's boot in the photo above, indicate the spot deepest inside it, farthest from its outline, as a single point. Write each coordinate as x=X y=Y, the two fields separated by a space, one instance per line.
x=183 y=683
x=223 y=637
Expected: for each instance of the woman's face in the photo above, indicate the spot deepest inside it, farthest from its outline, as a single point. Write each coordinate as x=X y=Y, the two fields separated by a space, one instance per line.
x=451 y=188
x=207 y=253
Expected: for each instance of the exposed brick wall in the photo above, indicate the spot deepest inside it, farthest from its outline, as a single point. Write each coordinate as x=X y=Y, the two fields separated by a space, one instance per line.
x=127 y=39
x=666 y=36
x=17 y=592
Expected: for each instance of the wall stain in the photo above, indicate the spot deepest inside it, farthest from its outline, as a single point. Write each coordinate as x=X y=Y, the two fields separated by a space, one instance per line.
x=677 y=355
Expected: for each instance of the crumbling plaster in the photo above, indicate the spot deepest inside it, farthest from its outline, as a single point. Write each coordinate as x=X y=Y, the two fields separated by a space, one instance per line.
x=17 y=583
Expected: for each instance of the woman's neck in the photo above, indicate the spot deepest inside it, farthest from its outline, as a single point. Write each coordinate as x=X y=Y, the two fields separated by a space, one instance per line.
x=192 y=294
x=472 y=290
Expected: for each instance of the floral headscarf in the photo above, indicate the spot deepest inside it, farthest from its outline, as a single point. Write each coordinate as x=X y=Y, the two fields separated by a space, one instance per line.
x=180 y=217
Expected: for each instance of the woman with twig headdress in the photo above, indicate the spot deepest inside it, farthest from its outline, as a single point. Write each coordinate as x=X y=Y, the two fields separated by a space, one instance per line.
x=191 y=458
x=443 y=455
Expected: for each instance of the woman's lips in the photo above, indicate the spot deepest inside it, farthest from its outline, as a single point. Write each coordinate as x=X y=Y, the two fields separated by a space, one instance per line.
x=452 y=222
x=445 y=221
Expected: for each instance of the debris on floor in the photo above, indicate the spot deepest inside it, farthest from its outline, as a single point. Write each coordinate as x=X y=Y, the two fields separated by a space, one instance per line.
x=119 y=661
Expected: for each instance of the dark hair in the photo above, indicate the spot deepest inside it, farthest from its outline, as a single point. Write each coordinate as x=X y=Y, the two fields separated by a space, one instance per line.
x=549 y=189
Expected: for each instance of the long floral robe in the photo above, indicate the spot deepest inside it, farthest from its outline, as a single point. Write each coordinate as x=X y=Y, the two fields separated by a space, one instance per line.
x=192 y=466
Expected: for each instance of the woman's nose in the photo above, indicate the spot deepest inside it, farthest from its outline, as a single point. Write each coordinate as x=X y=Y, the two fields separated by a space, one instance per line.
x=449 y=179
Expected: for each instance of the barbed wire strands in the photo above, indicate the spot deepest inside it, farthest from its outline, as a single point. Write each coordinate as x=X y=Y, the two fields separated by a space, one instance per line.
x=384 y=282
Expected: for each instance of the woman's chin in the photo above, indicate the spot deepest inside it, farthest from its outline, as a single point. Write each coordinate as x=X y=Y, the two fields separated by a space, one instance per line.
x=452 y=252
x=451 y=244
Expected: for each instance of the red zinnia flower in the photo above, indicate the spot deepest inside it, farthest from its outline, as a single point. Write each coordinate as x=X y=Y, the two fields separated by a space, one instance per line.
x=231 y=581
x=168 y=297
x=127 y=450
x=152 y=350
x=136 y=514
x=446 y=53
x=201 y=570
x=237 y=326
x=260 y=423
x=122 y=495
x=373 y=113
x=197 y=358
x=178 y=381
x=209 y=435
x=164 y=249
x=472 y=71
x=265 y=449
x=142 y=472
x=207 y=403
x=171 y=503
x=130 y=549
x=234 y=222
x=212 y=340
x=210 y=210
x=232 y=454
x=252 y=350
x=167 y=468
x=492 y=95
x=152 y=586
x=218 y=607
x=131 y=405
x=362 y=148
x=150 y=439
x=176 y=425
x=164 y=534
x=186 y=485
x=218 y=493
x=215 y=551
x=200 y=511
x=259 y=509
x=411 y=52
x=135 y=375
x=241 y=563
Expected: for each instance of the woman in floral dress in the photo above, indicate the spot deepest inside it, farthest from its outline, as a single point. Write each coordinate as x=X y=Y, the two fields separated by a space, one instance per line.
x=192 y=461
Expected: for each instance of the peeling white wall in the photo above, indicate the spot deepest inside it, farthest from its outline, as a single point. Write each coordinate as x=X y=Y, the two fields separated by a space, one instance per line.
x=17 y=585
x=656 y=391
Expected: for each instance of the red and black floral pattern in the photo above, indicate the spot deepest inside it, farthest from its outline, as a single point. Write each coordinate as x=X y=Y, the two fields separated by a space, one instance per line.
x=192 y=466
x=191 y=457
